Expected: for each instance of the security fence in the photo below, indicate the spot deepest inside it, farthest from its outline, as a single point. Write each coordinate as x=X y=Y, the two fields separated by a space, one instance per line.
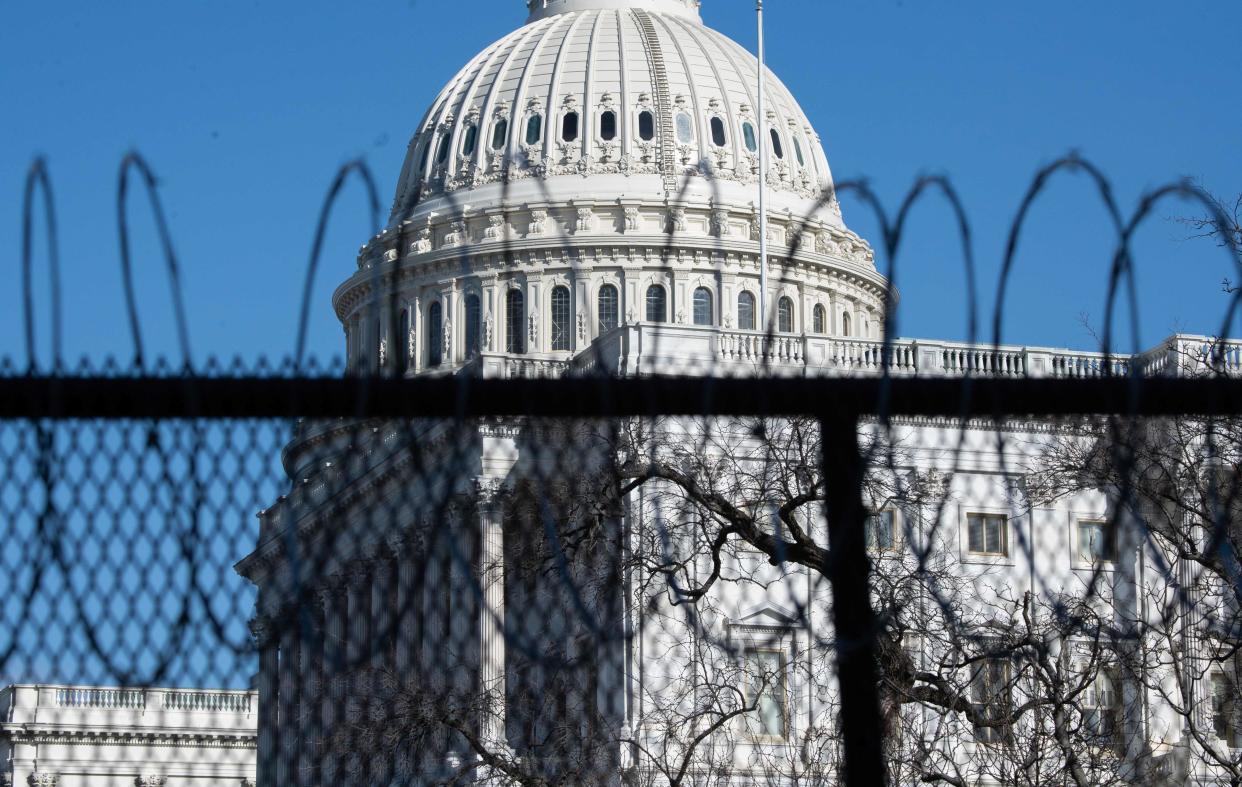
x=764 y=561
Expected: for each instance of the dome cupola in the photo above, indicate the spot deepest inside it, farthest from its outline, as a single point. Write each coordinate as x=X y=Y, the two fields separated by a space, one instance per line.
x=540 y=9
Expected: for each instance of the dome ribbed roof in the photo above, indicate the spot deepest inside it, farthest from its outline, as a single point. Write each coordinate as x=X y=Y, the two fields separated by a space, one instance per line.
x=674 y=87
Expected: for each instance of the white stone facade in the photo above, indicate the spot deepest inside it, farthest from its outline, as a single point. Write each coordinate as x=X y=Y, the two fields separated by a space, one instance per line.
x=580 y=199
x=88 y=736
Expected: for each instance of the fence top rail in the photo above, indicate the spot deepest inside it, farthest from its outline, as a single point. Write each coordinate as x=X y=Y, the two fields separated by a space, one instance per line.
x=602 y=397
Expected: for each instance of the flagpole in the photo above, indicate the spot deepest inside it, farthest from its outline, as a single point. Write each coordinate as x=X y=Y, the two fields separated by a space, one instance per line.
x=763 y=185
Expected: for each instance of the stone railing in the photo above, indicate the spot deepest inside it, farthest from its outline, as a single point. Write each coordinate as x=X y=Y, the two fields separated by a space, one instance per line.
x=137 y=707
x=664 y=348
x=209 y=701
x=75 y=697
x=508 y=366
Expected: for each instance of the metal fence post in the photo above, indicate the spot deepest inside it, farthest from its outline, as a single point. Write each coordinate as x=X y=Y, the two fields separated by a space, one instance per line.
x=854 y=620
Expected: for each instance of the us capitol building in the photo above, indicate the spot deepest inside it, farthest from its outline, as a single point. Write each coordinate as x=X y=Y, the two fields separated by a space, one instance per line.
x=583 y=198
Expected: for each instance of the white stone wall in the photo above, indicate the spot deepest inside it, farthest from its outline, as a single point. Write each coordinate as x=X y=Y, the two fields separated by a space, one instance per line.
x=80 y=736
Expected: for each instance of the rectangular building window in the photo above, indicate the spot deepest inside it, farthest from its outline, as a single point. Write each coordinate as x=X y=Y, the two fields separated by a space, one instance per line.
x=987 y=534
x=1097 y=542
x=882 y=531
x=990 y=697
x=765 y=690
x=1225 y=708
x=1101 y=707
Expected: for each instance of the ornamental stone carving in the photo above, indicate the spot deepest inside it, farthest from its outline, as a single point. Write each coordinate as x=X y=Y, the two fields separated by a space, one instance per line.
x=677 y=220
x=448 y=338
x=487 y=332
x=390 y=255
x=582 y=329
x=488 y=491
x=150 y=781
x=534 y=328
x=42 y=779
x=720 y=222
x=456 y=235
x=423 y=244
x=260 y=631
x=496 y=228
x=631 y=219
x=538 y=222
x=586 y=220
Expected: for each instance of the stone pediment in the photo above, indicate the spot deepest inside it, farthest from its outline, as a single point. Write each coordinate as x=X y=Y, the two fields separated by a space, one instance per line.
x=767 y=615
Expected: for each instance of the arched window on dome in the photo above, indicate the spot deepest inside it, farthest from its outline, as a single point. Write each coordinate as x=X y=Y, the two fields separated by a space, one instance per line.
x=469 y=139
x=608 y=125
x=845 y=324
x=569 y=127
x=748 y=136
x=685 y=128
x=422 y=162
x=534 y=129
x=609 y=307
x=718 y=132
x=435 y=334
x=703 y=306
x=657 y=304
x=515 y=322
x=745 y=311
x=401 y=342
x=500 y=133
x=443 y=151
x=784 y=315
x=777 y=149
x=798 y=151
x=646 y=125
x=562 y=332
x=819 y=319
x=474 y=325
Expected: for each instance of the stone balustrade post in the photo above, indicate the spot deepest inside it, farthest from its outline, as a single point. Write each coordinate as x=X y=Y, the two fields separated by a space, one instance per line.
x=928 y=358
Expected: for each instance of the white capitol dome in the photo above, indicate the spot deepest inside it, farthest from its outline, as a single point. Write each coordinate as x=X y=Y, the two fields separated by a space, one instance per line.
x=592 y=88
x=606 y=149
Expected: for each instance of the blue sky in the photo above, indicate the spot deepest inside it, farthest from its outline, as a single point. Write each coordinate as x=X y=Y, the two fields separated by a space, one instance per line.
x=245 y=109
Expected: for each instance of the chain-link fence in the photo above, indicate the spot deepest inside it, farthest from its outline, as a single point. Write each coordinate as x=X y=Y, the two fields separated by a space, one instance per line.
x=910 y=563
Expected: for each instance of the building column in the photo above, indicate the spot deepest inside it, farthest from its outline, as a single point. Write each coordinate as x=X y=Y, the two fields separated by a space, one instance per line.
x=333 y=681
x=313 y=692
x=459 y=654
x=287 y=721
x=492 y=610
x=383 y=587
x=406 y=630
x=357 y=662
x=269 y=665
